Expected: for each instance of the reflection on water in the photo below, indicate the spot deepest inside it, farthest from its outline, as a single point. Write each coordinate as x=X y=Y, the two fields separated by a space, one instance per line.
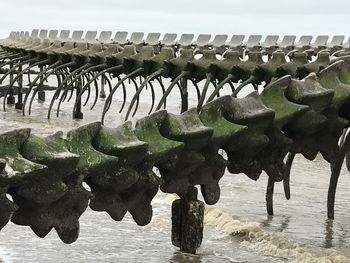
x=183 y=258
x=303 y=218
x=283 y=224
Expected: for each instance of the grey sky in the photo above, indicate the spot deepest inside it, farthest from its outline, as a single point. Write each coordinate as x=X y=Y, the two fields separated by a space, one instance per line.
x=215 y=16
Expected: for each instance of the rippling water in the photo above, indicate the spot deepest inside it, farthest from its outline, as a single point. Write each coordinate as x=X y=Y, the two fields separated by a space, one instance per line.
x=237 y=228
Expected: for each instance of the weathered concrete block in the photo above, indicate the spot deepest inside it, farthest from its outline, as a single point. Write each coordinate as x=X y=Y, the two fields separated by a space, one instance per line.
x=63 y=214
x=187 y=128
x=6 y=208
x=91 y=162
x=273 y=96
x=52 y=152
x=160 y=148
x=250 y=111
x=121 y=142
x=308 y=91
x=213 y=115
x=17 y=169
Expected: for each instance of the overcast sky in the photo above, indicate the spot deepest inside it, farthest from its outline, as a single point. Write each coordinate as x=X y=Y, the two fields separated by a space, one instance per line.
x=182 y=16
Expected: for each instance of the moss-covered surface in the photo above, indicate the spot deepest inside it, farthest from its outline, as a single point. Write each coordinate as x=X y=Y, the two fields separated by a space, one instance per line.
x=45 y=176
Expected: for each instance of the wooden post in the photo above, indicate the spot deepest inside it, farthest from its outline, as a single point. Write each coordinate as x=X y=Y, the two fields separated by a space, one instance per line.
x=187 y=222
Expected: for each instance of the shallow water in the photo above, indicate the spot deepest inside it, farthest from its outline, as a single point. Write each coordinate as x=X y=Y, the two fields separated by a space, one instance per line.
x=237 y=228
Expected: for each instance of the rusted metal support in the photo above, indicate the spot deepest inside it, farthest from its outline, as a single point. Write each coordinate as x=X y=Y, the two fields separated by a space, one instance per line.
x=78 y=113
x=184 y=95
x=41 y=93
x=19 y=103
x=11 y=98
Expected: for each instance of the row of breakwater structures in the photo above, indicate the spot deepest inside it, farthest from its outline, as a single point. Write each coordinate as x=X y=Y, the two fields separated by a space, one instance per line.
x=297 y=103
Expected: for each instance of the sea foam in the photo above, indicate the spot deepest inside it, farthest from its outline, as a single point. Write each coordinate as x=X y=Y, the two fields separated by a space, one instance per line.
x=256 y=239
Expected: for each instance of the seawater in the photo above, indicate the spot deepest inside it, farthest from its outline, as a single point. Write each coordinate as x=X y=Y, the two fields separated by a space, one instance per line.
x=237 y=228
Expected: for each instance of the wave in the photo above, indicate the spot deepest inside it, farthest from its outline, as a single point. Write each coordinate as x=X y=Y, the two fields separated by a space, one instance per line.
x=254 y=238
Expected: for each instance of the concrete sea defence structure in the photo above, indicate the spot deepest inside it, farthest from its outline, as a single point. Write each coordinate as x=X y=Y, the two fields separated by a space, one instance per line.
x=302 y=108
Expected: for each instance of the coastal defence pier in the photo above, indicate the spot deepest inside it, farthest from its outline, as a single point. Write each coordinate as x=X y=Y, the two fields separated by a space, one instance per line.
x=300 y=104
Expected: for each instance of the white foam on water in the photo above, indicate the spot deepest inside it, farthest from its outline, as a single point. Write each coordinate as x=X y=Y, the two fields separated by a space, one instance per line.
x=255 y=238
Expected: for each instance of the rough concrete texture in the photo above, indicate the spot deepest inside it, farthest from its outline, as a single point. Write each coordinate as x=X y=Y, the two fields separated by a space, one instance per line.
x=303 y=108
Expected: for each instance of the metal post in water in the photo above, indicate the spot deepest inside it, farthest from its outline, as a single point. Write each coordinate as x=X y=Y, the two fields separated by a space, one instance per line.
x=41 y=93
x=184 y=95
x=77 y=113
x=103 y=92
x=187 y=222
x=19 y=104
x=11 y=97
